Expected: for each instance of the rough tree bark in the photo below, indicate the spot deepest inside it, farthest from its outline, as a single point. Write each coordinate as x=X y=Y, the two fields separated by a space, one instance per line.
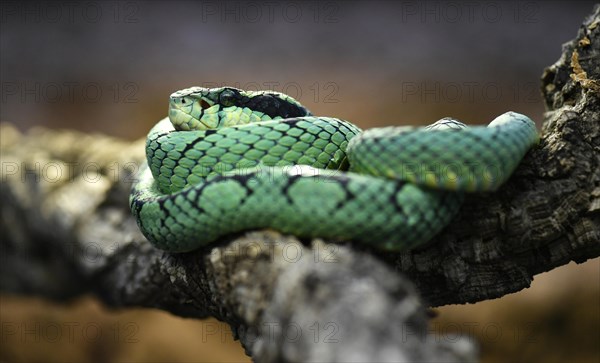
x=66 y=230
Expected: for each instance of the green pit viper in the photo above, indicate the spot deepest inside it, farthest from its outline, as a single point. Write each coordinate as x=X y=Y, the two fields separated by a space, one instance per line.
x=228 y=160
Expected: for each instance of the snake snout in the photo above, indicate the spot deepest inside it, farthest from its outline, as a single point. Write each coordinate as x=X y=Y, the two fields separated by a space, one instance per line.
x=178 y=101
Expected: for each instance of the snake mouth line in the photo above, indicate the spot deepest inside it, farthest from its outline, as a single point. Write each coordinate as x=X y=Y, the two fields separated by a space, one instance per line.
x=181 y=119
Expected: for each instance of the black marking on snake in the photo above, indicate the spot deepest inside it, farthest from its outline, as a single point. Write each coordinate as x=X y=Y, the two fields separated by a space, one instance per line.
x=273 y=106
x=138 y=204
x=343 y=180
x=393 y=200
x=242 y=179
x=185 y=195
x=198 y=190
x=291 y=181
x=188 y=147
x=161 y=203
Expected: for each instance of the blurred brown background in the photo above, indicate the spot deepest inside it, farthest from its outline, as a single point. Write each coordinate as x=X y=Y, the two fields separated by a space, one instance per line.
x=110 y=66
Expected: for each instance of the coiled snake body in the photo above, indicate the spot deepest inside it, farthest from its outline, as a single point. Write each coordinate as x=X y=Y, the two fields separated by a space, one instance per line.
x=228 y=160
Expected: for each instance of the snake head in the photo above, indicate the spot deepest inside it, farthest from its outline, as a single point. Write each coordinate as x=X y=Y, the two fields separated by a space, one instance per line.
x=193 y=109
x=198 y=108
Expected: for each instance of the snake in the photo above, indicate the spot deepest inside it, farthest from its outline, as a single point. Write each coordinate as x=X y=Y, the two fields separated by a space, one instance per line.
x=226 y=161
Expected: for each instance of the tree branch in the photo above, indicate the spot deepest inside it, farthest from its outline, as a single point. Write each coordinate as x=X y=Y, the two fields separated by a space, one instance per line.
x=547 y=214
x=66 y=230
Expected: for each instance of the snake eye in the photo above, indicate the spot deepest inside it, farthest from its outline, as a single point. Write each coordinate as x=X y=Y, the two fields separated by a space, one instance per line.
x=227 y=98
